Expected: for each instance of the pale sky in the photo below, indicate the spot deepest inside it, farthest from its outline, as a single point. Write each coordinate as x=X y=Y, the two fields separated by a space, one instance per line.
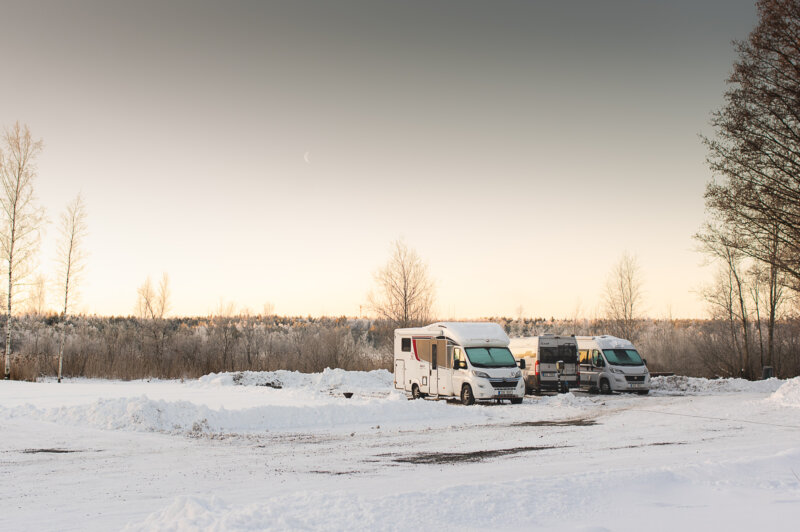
x=271 y=151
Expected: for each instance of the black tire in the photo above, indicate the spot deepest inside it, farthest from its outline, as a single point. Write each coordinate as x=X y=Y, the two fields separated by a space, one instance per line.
x=467 y=398
x=643 y=392
x=605 y=387
x=516 y=400
x=415 y=393
x=537 y=391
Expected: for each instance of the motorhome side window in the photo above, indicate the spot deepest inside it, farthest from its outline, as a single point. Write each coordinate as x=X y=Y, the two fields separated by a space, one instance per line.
x=457 y=356
x=405 y=344
x=596 y=357
x=585 y=356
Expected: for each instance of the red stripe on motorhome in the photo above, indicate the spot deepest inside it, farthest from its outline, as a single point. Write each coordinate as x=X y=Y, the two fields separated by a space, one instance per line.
x=414 y=344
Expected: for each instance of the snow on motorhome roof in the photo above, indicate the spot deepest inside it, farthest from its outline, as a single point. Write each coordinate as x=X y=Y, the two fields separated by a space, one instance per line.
x=466 y=333
x=607 y=341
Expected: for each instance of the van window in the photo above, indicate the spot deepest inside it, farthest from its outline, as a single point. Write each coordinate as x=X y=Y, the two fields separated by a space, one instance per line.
x=595 y=356
x=585 y=356
x=457 y=356
x=566 y=352
x=405 y=344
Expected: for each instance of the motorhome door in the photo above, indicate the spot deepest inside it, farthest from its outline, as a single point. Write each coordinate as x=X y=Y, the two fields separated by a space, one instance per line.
x=431 y=354
x=399 y=374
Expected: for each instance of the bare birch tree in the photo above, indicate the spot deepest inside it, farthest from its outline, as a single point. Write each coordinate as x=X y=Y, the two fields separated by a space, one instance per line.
x=724 y=246
x=71 y=260
x=152 y=307
x=22 y=218
x=624 y=298
x=405 y=292
x=152 y=304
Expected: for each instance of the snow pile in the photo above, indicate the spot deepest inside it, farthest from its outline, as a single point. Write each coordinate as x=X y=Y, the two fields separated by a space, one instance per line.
x=788 y=394
x=329 y=381
x=567 y=400
x=183 y=417
x=678 y=384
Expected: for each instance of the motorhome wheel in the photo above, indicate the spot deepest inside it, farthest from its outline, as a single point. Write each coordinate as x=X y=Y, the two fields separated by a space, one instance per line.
x=516 y=400
x=643 y=392
x=605 y=387
x=466 y=395
x=415 y=393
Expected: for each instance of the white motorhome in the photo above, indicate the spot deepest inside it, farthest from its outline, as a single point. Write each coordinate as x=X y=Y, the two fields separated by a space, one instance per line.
x=542 y=355
x=470 y=361
x=610 y=364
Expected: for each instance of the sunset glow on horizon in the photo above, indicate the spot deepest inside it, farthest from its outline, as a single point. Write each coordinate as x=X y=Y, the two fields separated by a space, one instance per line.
x=270 y=153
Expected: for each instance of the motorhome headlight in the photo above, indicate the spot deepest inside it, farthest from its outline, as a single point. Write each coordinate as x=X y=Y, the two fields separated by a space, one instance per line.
x=480 y=374
x=616 y=370
x=517 y=373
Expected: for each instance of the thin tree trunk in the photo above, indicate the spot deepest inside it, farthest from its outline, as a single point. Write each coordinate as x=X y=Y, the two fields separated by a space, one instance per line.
x=7 y=375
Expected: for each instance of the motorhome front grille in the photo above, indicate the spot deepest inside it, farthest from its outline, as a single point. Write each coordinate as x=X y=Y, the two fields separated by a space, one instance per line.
x=500 y=383
x=634 y=378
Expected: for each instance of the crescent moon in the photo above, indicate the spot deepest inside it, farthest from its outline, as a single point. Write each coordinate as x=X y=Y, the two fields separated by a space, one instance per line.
x=307 y=157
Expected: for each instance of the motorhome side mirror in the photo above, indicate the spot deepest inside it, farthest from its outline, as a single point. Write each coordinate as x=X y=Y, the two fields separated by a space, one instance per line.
x=644 y=361
x=461 y=364
x=521 y=363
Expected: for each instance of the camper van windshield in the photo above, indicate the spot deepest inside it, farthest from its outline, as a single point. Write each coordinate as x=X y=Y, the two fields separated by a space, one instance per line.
x=490 y=357
x=623 y=357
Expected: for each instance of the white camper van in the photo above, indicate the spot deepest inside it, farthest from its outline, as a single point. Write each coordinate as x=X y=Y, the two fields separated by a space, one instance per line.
x=610 y=364
x=551 y=362
x=470 y=361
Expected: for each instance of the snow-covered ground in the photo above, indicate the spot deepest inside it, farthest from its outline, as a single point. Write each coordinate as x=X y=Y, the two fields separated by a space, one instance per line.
x=283 y=450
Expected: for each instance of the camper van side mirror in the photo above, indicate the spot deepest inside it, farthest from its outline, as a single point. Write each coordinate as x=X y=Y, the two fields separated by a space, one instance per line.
x=644 y=361
x=521 y=363
x=460 y=364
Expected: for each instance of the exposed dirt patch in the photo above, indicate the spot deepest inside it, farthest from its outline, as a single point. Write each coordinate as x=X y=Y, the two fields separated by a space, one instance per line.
x=335 y=473
x=580 y=422
x=51 y=451
x=650 y=445
x=474 y=456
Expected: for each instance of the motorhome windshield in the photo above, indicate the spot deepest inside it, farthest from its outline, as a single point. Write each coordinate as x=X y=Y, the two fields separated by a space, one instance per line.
x=490 y=357
x=623 y=357
x=550 y=355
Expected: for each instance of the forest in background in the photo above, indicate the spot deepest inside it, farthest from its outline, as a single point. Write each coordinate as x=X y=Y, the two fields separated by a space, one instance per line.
x=172 y=348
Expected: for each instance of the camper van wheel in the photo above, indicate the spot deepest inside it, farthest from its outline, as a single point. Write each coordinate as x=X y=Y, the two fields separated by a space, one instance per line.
x=643 y=392
x=466 y=395
x=605 y=387
x=516 y=400
x=415 y=393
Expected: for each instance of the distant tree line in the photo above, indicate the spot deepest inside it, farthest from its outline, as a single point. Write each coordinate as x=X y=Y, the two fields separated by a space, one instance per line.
x=169 y=348
x=172 y=348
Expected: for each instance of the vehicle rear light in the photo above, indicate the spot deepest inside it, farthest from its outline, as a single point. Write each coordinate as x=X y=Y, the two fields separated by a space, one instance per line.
x=536 y=368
